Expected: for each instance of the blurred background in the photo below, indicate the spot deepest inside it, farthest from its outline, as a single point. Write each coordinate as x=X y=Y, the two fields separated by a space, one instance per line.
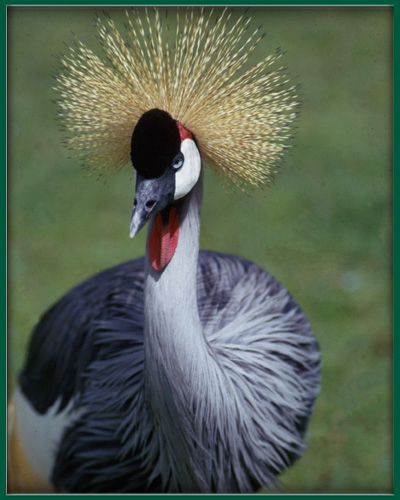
x=324 y=229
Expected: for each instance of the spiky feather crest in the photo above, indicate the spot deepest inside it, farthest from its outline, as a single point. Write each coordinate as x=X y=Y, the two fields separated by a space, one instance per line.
x=194 y=66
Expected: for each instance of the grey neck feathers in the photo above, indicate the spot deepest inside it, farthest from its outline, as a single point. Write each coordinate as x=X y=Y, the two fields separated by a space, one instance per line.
x=172 y=322
x=175 y=345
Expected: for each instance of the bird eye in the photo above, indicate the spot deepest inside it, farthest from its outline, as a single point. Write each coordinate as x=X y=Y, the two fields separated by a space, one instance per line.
x=177 y=162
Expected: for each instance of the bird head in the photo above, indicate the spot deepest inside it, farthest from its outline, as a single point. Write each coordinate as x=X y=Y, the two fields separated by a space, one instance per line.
x=167 y=164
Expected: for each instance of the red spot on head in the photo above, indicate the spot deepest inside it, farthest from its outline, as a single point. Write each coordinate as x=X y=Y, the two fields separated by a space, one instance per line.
x=185 y=134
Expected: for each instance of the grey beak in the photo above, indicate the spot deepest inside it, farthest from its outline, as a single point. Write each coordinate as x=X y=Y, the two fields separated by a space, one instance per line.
x=138 y=220
x=152 y=195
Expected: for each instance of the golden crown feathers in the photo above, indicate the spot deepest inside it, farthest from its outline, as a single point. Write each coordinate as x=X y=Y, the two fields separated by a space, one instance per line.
x=192 y=64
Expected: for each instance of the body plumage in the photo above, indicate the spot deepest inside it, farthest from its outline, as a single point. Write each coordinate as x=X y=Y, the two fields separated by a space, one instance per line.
x=110 y=368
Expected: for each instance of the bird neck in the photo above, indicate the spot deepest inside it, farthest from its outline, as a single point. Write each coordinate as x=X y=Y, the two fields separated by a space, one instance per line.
x=174 y=341
x=173 y=330
x=172 y=321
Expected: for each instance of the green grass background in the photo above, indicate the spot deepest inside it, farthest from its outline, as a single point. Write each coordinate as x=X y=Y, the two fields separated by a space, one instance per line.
x=324 y=229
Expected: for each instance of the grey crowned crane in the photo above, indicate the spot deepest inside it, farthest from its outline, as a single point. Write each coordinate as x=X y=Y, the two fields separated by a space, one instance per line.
x=185 y=370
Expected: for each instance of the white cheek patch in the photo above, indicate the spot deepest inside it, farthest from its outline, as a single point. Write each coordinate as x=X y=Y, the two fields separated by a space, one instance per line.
x=188 y=175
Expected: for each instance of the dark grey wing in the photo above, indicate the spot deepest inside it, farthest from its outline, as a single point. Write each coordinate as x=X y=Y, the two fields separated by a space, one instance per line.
x=61 y=346
x=88 y=348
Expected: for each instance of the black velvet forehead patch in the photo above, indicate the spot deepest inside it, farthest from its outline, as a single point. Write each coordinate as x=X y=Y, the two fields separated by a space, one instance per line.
x=155 y=143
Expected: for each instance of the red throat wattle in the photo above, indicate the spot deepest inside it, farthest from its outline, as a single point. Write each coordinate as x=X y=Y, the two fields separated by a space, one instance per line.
x=163 y=239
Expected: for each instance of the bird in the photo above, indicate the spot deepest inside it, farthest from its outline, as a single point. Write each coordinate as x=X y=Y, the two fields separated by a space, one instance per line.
x=185 y=370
